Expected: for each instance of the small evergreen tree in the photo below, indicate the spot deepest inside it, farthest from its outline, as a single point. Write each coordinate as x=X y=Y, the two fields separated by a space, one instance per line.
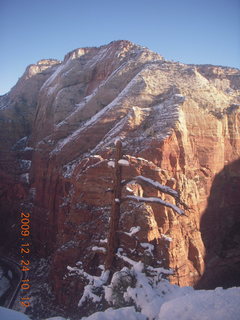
x=118 y=288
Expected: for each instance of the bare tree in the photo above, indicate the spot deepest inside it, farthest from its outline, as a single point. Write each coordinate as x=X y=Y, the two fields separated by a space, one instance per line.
x=112 y=243
x=94 y=291
x=118 y=184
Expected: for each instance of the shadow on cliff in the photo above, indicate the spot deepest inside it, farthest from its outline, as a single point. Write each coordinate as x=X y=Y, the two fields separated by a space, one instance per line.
x=220 y=228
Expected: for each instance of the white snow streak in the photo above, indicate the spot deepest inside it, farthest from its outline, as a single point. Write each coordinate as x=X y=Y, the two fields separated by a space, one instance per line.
x=133 y=230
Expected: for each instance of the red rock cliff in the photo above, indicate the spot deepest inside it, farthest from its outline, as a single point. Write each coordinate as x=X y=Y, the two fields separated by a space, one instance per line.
x=179 y=125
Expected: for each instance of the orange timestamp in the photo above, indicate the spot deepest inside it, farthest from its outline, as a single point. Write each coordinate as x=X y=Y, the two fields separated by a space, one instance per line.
x=25 y=260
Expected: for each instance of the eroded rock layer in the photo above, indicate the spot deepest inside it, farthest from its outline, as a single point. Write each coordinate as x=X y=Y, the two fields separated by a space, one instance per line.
x=179 y=125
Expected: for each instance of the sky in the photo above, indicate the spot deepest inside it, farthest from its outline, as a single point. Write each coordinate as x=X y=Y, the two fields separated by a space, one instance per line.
x=189 y=31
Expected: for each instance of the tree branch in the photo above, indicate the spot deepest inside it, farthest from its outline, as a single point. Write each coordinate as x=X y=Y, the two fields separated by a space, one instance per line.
x=155 y=200
x=147 y=181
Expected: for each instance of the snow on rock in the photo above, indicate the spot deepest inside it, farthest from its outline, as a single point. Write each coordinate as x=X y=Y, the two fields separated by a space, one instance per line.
x=129 y=189
x=136 y=265
x=20 y=144
x=25 y=164
x=133 y=230
x=123 y=162
x=99 y=249
x=157 y=185
x=154 y=298
x=97 y=156
x=218 y=304
x=89 y=123
x=52 y=89
x=56 y=318
x=117 y=141
x=68 y=169
x=103 y=240
x=179 y=97
x=24 y=178
x=111 y=164
x=148 y=247
x=51 y=79
x=170 y=302
x=88 y=294
x=128 y=313
x=142 y=159
x=28 y=149
x=165 y=237
x=147 y=298
x=149 y=292
x=94 y=282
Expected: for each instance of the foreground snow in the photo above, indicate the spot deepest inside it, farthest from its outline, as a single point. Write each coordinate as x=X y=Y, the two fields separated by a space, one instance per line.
x=203 y=305
x=128 y=313
x=142 y=293
x=177 y=303
x=215 y=304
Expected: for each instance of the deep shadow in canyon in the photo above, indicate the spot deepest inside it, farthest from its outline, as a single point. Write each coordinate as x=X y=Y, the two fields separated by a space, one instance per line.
x=220 y=228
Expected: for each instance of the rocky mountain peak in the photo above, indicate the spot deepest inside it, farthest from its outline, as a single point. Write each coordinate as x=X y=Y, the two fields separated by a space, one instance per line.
x=179 y=125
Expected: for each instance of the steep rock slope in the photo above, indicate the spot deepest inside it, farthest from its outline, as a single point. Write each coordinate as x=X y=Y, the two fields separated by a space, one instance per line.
x=179 y=125
x=17 y=113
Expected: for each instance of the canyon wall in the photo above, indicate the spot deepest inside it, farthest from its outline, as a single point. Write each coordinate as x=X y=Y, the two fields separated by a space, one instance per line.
x=179 y=125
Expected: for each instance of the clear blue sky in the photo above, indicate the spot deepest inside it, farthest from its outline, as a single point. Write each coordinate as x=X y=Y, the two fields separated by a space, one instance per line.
x=190 y=31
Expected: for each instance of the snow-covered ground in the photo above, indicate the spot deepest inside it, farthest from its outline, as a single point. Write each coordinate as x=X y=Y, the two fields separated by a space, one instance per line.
x=141 y=292
x=178 y=304
x=215 y=304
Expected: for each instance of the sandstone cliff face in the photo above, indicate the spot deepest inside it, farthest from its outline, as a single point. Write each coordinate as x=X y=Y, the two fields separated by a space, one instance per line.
x=179 y=125
x=17 y=112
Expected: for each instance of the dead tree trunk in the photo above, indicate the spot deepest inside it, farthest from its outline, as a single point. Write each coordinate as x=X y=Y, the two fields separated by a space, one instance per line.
x=113 y=240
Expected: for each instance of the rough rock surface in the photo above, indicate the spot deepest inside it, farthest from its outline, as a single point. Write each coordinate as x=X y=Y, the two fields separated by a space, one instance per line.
x=179 y=125
x=17 y=113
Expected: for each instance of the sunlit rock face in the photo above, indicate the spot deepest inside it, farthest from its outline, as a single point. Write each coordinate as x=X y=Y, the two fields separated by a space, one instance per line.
x=179 y=125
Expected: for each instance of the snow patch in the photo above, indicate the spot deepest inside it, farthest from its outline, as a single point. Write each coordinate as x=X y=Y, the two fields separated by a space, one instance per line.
x=111 y=164
x=218 y=304
x=24 y=178
x=117 y=101
x=25 y=165
x=68 y=169
x=28 y=149
x=127 y=313
x=129 y=189
x=51 y=90
x=167 y=238
x=148 y=247
x=99 y=249
x=103 y=240
x=123 y=162
x=137 y=265
x=133 y=230
x=158 y=185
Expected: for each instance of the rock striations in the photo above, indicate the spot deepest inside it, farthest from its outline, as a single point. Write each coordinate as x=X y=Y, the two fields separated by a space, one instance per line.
x=180 y=126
